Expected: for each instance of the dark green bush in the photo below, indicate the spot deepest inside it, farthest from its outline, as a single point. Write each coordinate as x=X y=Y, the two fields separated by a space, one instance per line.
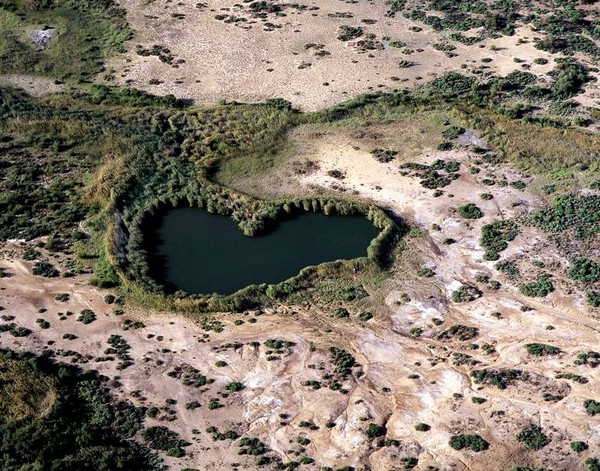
x=495 y=236
x=465 y=293
x=584 y=269
x=45 y=269
x=578 y=447
x=469 y=211
x=593 y=298
x=592 y=407
x=347 y=33
x=374 y=430
x=533 y=437
x=537 y=289
x=500 y=378
x=471 y=442
x=542 y=349
x=593 y=464
x=425 y=272
x=87 y=316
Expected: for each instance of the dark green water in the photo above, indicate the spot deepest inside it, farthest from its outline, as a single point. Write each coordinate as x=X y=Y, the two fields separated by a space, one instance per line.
x=198 y=252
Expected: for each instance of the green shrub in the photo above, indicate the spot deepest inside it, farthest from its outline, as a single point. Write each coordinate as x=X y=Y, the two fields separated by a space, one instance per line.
x=383 y=155
x=374 y=430
x=469 y=211
x=234 y=386
x=584 y=269
x=415 y=331
x=579 y=215
x=510 y=269
x=541 y=349
x=537 y=289
x=471 y=442
x=365 y=316
x=341 y=313
x=500 y=378
x=43 y=323
x=30 y=254
x=593 y=464
x=533 y=438
x=347 y=33
x=20 y=332
x=343 y=361
x=593 y=298
x=465 y=293
x=87 y=316
x=425 y=272
x=578 y=447
x=45 y=269
x=496 y=235
x=461 y=332
x=592 y=407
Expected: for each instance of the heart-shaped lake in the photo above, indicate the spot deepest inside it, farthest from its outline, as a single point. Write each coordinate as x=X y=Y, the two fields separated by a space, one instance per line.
x=198 y=252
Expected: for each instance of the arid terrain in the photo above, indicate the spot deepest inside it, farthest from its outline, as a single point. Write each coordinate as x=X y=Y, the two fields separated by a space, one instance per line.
x=222 y=50
x=406 y=376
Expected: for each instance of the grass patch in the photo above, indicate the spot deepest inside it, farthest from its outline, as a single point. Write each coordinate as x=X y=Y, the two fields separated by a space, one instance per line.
x=85 y=33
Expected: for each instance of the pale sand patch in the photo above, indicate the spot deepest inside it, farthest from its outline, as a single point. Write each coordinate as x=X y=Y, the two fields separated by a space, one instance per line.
x=32 y=84
x=242 y=61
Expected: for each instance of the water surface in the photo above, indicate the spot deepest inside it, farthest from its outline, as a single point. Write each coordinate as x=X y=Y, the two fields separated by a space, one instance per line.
x=198 y=252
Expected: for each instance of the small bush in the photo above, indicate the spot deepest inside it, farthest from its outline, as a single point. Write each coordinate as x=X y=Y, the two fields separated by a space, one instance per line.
x=375 y=430
x=592 y=407
x=425 y=272
x=347 y=33
x=541 y=349
x=584 y=269
x=593 y=464
x=45 y=269
x=533 y=438
x=578 y=447
x=465 y=293
x=471 y=442
x=537 y=289
x=593 y=298
x=87 y=316
x=20 y=332
x=234 y=386
x=469 y=211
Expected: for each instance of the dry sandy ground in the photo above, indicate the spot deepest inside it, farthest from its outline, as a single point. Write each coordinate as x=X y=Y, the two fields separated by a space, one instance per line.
x=258 y=59
x=403 y=379
x=35 y=86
